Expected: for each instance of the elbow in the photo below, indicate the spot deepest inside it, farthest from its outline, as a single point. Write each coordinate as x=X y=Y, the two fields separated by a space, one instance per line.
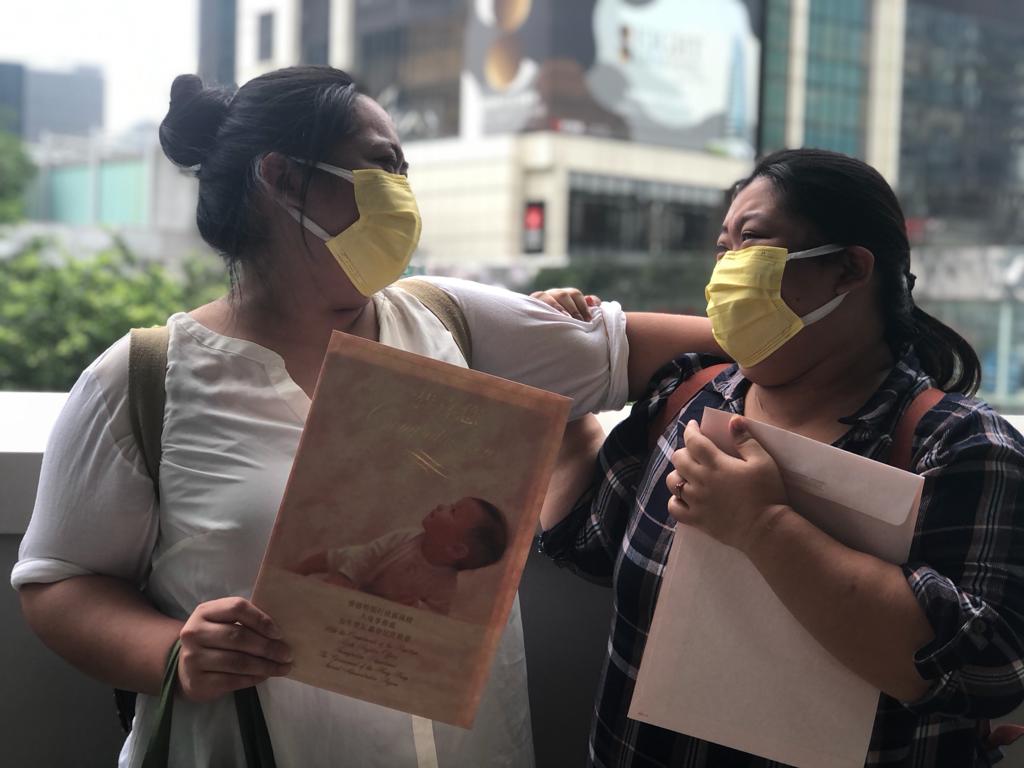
x=911 y=688
x=33 y=606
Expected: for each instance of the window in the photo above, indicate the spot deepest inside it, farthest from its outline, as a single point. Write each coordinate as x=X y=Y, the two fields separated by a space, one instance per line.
x=266 y=37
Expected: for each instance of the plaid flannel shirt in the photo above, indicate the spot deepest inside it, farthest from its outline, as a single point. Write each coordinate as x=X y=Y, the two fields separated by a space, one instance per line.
x=966 y=568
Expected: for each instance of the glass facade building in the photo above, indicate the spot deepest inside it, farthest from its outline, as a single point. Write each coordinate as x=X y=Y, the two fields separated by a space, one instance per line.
x=775 y=75
x=837 y=67
x=962 y=153
x=217 y=22
x=410 y=59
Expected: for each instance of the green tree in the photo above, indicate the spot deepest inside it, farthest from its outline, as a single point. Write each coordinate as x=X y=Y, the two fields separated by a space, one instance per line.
x=57 y=313
x=16 y=170
x=654 y=285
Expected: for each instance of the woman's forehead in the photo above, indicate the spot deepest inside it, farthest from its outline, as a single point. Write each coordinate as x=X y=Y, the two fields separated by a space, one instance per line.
x=756 y=200
x=375 y=125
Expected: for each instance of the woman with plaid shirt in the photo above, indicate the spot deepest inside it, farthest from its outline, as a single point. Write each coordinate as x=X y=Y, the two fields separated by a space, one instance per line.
x=942 y=636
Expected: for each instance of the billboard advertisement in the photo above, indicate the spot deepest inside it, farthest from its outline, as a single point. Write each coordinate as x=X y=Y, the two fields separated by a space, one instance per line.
x=680 y=73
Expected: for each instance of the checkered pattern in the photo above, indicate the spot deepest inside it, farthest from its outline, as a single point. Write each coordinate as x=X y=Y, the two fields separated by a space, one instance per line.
x=966 y=568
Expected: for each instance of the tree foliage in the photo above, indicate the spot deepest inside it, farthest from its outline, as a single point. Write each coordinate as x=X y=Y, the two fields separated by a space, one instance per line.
x=653 y=285
x=16 y=170
x=58 y=312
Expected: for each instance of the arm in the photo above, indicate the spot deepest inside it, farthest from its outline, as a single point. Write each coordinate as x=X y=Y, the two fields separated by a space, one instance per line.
x=656 y=338
x=587 y=539
x=104 y=627
x=88 y=547
x=523 y=339
x=574 y=471
x=857 y=606
x=941 y=649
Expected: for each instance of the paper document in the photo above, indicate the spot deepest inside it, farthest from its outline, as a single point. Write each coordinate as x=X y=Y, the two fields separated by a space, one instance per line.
x=725 y=660
x=405 y=526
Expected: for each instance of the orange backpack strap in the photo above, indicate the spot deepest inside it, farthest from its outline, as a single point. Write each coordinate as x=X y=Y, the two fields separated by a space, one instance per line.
x=900 y=453
x=680 y=398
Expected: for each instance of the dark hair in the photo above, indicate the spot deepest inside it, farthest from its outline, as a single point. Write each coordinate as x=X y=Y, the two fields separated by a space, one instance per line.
x=221 y=134
x=847 y=201
x=489 y=537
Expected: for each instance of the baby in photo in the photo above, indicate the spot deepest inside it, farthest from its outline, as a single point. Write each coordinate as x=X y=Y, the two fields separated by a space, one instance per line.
x=418 y=567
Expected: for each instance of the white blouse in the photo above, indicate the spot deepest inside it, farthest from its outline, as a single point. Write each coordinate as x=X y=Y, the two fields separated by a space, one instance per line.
x=232 y=423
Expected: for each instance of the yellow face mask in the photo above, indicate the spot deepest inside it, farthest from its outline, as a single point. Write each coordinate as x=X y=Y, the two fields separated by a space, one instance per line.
x=376 y=249
x=748 y=317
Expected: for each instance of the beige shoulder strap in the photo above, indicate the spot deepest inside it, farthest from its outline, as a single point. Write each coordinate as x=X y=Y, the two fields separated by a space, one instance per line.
x=147 y=374
x=445 y=309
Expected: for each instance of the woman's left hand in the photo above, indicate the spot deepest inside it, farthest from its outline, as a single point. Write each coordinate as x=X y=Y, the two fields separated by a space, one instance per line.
x=725 y=497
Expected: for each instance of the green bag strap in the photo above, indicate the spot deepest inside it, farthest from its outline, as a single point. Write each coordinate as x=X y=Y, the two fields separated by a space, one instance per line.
x=445 y=309
x=160 y=743
x=147 y=393
x=259 y=751
x=147 y=396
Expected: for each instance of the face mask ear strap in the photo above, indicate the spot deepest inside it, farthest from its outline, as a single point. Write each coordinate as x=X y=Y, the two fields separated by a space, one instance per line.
x=331 y=169
x=290 y=209
x=821 y=250
x=305 y=221
x=823 y=311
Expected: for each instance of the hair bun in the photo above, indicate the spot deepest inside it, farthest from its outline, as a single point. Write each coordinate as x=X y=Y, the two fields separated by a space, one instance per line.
x=193 y=119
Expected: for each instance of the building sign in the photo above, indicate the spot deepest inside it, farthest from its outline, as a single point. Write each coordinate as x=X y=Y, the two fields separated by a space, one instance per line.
x=681 y=73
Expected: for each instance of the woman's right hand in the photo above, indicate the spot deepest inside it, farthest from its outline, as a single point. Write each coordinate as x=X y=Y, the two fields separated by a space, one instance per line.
x=226 y=645
x=568 y=301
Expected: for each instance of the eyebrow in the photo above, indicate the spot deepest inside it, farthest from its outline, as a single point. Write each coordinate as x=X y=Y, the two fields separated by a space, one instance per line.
x=389 y=146
x=746 y=217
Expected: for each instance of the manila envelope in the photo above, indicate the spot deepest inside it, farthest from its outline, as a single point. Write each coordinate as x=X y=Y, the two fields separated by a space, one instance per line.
x=725 y=660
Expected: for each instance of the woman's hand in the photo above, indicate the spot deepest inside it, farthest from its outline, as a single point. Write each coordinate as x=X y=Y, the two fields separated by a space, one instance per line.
x=228 y=644
x=727 y=498
x=568 y=301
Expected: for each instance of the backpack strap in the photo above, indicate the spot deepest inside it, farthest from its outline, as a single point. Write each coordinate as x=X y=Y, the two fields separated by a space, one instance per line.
x=679 y=399
x=900 y=452
x=147 y=397
x=147 y=394
x=445 y=309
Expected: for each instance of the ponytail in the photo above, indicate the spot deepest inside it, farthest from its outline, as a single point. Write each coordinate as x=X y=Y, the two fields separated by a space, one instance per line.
x=945 y=355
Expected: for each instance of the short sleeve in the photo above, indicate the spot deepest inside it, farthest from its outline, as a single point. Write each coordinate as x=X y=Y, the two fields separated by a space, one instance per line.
x=523 y=339
x=95 y=510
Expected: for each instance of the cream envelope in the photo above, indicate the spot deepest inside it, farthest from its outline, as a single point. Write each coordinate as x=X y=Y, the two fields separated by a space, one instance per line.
x=725 y=661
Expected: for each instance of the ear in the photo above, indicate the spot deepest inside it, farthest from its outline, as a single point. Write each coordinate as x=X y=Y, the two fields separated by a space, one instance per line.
x=457 y=552
x=279 y=174
x=858 y=265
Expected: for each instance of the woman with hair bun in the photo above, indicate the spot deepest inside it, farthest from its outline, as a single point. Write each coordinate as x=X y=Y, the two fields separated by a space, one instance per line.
x=303 y=190
x=812 y=295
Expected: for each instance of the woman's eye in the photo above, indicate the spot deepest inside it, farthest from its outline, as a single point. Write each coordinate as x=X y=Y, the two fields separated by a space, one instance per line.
x=749 y=236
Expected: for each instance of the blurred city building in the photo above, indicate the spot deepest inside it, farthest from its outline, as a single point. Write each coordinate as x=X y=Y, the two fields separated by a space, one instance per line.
x=543 y=133
x=601 y=134
x=218 y=21
x=89 y=190
x=91 y=186
x=34 y=101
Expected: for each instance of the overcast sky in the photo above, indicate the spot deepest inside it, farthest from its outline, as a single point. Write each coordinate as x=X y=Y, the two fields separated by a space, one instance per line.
x=139 y=44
